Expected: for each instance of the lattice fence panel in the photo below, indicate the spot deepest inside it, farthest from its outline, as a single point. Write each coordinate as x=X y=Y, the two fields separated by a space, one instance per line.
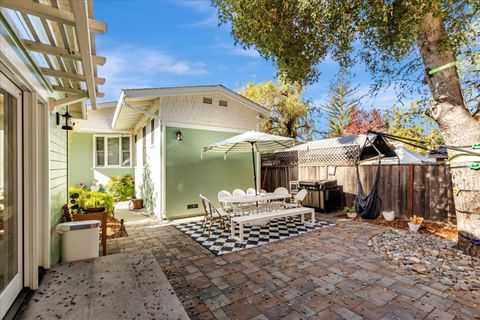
x=346 y=155
x=280 y=159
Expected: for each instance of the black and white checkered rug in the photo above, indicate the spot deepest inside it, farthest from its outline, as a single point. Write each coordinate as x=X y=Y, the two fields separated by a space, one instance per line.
x=221 y=242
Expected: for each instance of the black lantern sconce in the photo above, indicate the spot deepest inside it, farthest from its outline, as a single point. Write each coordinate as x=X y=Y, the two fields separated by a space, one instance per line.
x=179 y=135
x=66 y=121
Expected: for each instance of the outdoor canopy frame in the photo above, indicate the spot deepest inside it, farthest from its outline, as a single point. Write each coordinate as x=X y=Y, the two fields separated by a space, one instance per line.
x=251 y=141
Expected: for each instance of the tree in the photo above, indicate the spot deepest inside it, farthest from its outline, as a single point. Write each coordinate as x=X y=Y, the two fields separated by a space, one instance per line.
x=413 y=124
x=396 y=40
x=341 y=99
x=291 y=113
x=361 y=121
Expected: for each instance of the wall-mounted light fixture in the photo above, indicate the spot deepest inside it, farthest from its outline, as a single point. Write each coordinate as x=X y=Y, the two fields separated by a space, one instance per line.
x=65 y=120
x=179 y=135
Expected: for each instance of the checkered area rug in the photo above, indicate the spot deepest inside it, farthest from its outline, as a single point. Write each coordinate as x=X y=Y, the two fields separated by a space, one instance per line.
x=221 y=242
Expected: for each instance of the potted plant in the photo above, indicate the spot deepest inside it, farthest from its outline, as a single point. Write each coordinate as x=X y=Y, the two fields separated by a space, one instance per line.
x=415 y=223
x=350 y=211
x=389 y=215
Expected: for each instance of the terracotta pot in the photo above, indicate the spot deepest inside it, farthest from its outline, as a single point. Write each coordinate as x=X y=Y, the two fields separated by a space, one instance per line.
x=136 y=204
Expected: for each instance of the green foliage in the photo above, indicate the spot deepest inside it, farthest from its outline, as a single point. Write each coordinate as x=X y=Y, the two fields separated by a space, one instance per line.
x=342 y=98
x=147 y=190
x=298 y=35
x=349 y=209
x=291 y=113
x=81 y=199
x=121 y=188
x=414 y=124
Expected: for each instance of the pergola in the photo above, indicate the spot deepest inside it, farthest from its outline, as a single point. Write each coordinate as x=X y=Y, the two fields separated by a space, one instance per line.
x=59 y=37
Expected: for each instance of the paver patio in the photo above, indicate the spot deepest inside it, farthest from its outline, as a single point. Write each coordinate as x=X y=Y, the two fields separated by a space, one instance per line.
x=325 y=274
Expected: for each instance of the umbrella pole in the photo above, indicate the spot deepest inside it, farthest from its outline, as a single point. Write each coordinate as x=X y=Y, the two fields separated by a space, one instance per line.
x=254 y=168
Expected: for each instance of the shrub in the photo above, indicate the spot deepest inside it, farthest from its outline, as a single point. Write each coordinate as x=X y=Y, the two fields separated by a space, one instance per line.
x=81 y=199
x=121 y=188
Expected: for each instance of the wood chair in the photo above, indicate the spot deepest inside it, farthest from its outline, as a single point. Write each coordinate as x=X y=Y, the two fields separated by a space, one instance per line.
x=213 y=215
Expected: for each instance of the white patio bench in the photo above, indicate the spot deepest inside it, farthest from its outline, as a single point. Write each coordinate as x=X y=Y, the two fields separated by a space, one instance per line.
x=259 y=217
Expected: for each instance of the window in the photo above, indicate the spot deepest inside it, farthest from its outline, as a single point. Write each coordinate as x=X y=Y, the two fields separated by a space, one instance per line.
x=152 y=128
x=112 y=151
x=144 y=145
x=207 y=100
x=223 y=103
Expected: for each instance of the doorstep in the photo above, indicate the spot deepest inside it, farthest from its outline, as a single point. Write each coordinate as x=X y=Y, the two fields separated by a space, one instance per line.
x=121 y=286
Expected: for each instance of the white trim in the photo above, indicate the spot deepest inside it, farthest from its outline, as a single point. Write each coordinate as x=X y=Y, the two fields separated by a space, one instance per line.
x=142 y=94
x=8 y=294
x=102 y=131
x=163 y=173
x=204 y=127
x=105 y=144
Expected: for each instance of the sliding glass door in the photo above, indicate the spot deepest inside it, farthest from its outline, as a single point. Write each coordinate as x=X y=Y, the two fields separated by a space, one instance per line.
x=11 y=273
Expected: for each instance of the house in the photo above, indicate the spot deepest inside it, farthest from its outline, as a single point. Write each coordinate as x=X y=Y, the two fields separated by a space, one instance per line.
x=48 y=66
x=157 y=135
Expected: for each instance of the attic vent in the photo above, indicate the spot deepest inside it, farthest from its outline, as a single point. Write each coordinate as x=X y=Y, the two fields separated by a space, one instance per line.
x=223 y=103
x=207 y=100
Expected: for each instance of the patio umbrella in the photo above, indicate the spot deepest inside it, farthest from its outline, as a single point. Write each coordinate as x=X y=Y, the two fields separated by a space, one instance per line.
x=251 y=141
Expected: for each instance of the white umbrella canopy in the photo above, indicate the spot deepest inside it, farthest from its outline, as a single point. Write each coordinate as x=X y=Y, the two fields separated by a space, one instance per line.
x=251 y=141
x=262 y=142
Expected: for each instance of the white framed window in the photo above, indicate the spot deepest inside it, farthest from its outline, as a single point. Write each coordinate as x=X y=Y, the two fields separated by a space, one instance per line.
x=112 y=151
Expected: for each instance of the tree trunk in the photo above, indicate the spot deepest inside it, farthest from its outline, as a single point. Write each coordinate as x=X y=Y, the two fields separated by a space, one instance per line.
x=458 y=127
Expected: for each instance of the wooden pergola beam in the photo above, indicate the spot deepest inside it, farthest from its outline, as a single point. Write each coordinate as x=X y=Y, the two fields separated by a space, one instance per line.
x=82 y=32
x=51 y=13
x=61 y=52
x=70 y=100
x=68 y=75
x=77 y=91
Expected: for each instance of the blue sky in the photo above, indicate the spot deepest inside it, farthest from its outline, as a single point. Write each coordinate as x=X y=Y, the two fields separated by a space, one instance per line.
x=172 y=43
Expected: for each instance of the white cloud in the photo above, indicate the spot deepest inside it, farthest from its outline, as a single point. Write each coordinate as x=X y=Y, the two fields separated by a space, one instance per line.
x=210 y=21
x=130 y=67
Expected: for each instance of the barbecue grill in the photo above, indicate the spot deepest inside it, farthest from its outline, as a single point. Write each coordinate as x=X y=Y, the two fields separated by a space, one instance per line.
x=323 y=195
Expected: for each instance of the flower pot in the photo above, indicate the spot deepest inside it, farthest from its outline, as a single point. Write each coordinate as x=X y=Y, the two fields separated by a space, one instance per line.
x=136 y=204
x=389 y=215
x=352 y=215
x=413 y=227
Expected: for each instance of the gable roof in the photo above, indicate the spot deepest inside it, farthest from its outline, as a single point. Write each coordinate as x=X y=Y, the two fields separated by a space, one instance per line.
x=144 y=100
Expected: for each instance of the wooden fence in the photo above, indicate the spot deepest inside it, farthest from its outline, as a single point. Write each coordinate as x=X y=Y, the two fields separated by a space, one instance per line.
x=424 y=190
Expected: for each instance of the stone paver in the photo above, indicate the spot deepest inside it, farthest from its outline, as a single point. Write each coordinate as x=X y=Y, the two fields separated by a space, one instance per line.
x=326 y=274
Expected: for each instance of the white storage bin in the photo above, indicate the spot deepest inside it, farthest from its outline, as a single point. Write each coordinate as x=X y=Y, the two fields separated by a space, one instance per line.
x=80 y=240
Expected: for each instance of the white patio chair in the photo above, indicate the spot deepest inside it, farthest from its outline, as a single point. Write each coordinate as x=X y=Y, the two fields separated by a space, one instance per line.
x=251 y=191
x=224 y=194
x=298 y=199
x=213 y=215
x=278 y=204
x=238 y=192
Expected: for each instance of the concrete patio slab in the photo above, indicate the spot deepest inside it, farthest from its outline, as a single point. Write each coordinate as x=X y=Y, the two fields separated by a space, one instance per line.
x=122 y=286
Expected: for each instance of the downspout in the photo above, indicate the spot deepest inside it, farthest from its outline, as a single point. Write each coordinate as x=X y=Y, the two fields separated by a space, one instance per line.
x=163 y=173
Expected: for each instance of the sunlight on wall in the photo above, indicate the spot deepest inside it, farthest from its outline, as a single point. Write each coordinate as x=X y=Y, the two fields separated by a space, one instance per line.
x=100 y=177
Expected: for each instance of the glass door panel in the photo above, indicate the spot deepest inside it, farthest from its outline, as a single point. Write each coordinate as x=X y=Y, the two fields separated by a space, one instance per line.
x=10 y=193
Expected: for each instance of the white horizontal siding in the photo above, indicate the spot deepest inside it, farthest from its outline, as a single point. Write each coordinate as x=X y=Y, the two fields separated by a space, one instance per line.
x=58 y=182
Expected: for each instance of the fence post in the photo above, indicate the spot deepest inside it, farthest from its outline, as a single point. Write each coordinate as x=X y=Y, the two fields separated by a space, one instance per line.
x=410 y=179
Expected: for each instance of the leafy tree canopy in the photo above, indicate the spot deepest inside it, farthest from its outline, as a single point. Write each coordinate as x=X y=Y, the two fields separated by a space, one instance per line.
x=299 y=34
x=412 y=123
x=291 y=113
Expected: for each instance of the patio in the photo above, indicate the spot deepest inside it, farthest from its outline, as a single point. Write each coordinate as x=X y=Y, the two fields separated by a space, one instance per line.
x=325 y=274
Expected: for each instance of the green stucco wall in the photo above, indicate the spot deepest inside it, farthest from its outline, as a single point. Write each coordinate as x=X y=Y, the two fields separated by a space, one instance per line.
x=188 y=175
x=80 y=159
x=58 y=183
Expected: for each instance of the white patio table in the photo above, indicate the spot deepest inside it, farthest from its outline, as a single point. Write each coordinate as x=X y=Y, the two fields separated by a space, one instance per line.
x=251 y=198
